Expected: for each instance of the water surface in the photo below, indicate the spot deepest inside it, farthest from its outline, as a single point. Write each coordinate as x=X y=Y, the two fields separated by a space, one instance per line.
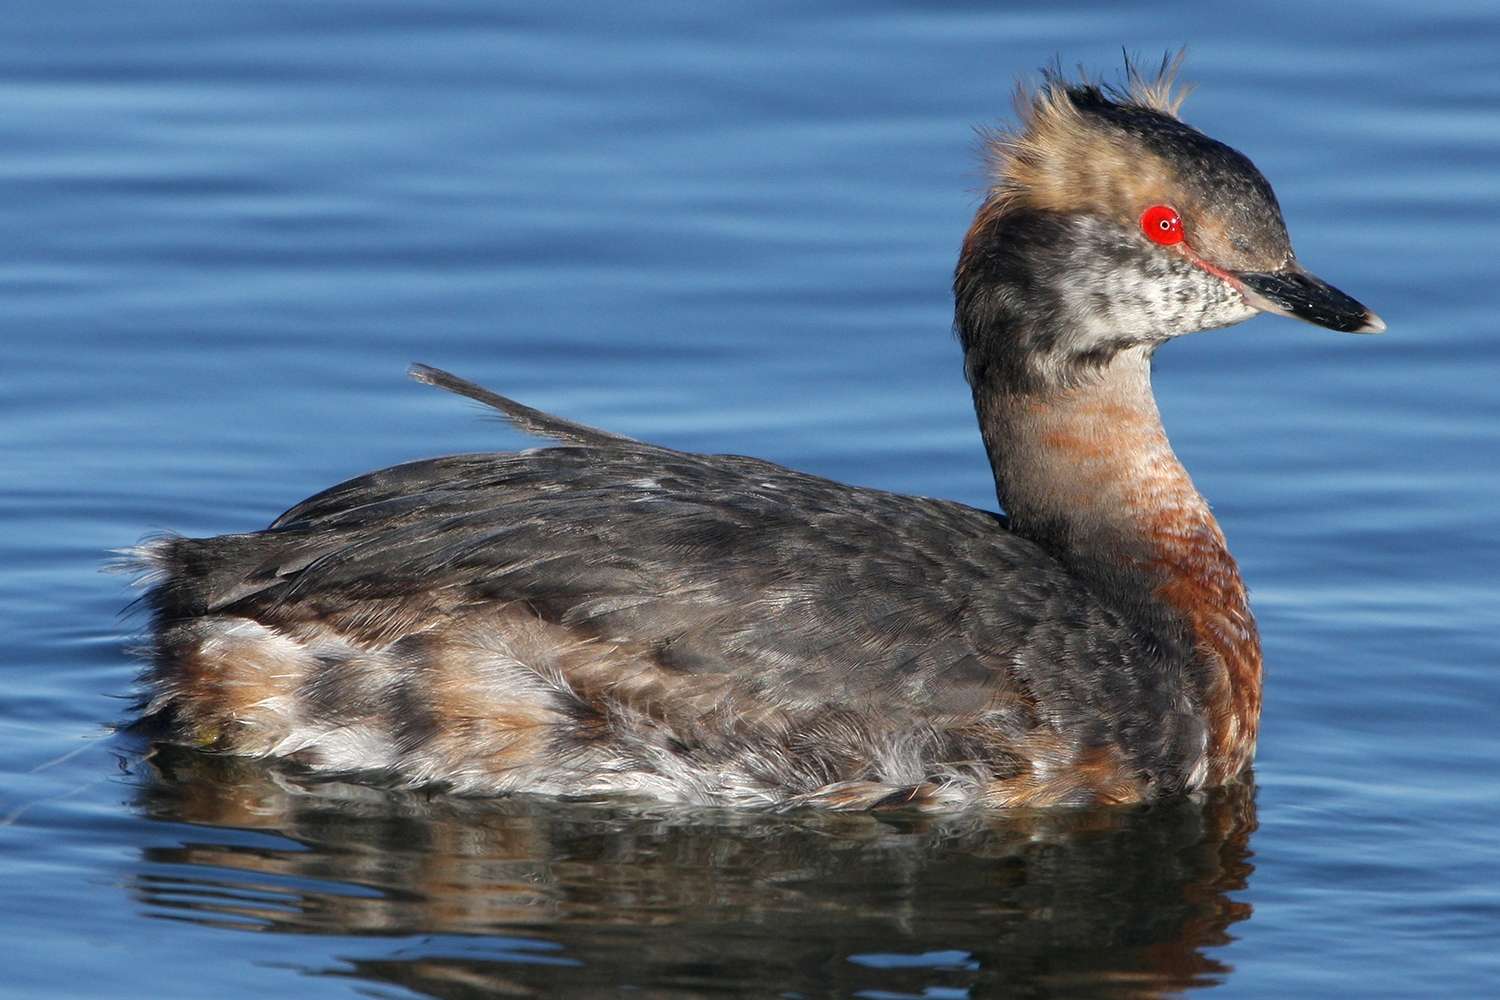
x=228 y=228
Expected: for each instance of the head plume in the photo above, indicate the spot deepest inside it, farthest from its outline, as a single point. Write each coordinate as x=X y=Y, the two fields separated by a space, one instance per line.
x=1077 y=145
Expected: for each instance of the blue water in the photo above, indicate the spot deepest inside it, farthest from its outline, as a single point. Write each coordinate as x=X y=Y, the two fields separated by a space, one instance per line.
x=227 y=228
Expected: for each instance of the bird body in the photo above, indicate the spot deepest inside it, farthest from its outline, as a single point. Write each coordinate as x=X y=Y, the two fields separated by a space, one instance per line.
x=606 y=616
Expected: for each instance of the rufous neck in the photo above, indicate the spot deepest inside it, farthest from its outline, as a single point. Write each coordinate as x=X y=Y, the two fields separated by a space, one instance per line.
x=1086 y=471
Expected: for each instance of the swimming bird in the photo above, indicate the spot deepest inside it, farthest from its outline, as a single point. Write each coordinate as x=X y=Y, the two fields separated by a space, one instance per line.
x=607 y=616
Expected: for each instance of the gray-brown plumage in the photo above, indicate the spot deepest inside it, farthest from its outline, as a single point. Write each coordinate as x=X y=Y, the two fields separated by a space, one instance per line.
x=606 y=615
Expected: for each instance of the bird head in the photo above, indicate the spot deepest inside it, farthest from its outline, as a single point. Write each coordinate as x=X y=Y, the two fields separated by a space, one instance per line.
x=1111 y=224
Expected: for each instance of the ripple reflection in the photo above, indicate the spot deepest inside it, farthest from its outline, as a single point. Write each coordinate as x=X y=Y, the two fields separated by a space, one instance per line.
x=529 y=897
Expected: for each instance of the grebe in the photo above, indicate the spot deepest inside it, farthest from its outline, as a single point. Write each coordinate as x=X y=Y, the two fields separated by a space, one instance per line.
x=608 y=616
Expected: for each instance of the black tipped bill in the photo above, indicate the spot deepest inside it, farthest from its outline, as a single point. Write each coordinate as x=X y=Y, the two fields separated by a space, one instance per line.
x=1297 y=294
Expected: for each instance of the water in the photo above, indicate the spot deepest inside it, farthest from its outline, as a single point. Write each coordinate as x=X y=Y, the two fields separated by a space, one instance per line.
x=227 y=229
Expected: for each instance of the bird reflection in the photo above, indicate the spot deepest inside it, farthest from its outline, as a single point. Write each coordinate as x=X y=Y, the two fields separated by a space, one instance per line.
x=534 y=897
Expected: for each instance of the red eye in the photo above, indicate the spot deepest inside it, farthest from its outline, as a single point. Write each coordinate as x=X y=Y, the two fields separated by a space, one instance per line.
x=1162 y=224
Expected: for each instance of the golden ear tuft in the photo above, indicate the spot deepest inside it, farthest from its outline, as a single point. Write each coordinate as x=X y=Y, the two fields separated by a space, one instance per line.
x=1161 y=92
x=1058 y=153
